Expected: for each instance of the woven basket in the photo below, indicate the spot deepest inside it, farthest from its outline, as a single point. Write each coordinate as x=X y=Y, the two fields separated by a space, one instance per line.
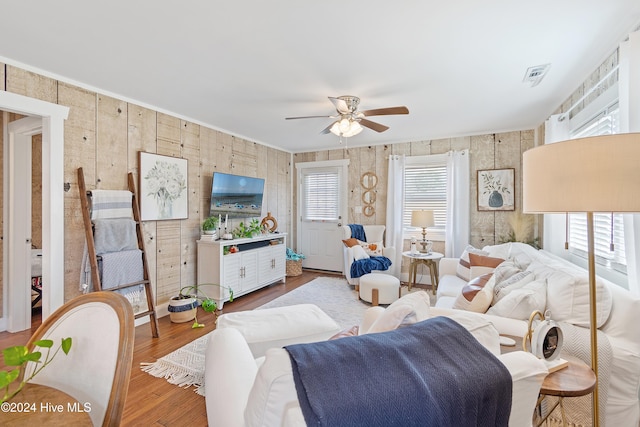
x=294 y=268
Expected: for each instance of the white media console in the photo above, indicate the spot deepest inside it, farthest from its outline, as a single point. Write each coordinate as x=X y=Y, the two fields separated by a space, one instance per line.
x=258 y=262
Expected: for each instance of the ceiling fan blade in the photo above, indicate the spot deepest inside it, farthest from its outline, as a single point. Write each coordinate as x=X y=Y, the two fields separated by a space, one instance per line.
x=327 y=129
x=385 y=111
x=340 y=104
x=373 y=125
x=309 y=117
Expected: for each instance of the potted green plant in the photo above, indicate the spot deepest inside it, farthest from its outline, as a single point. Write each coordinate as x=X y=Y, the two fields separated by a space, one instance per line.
x=210 y=225
x=19 y=355
x=247 y=230
x=184 y=306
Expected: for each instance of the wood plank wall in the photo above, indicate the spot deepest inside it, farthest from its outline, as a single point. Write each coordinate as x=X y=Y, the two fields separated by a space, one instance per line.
x=491 y=151
x=103 y=135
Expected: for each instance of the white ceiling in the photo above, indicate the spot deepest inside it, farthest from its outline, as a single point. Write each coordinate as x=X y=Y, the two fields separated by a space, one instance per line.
x=243 y=66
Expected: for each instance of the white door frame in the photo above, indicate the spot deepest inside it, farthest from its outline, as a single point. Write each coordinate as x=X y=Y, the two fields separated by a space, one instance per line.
x=53 y=117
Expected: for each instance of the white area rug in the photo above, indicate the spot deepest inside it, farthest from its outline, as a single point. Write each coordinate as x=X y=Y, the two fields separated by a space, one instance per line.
x=333 y=295
x=185 y=366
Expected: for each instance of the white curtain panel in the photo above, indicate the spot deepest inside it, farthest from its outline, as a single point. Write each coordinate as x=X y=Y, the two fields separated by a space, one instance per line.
x=554 y=224
x=395 y=202
x=629 y=102
x=556 y=130
x=457 y=228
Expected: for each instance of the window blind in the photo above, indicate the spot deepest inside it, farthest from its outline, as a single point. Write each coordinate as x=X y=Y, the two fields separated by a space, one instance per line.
x=606 y=122
x=425 y=187
x=321 y=194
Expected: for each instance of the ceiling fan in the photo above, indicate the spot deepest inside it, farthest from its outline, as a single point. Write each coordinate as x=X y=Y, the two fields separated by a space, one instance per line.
x=349 y=120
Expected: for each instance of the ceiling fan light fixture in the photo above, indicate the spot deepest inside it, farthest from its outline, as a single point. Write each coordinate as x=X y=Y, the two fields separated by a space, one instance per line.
x=346 y=128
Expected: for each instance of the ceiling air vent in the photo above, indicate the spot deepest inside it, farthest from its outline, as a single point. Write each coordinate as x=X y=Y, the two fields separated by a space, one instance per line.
x=534 y=75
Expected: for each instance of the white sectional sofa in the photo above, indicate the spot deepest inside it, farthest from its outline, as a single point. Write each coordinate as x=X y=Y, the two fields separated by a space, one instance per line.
x=242 y=390
x=552 y=283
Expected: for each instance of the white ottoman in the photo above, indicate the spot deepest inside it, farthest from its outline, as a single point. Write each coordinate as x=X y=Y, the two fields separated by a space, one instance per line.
x=378 y=288
x=276 y=327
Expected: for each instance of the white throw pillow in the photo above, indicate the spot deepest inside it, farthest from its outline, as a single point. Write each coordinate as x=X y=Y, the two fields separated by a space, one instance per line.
x=372 y=248
x=517 y=281
x=480 y=290
x=520 y=303
x=505 y=270
x=463 y=270
x=409 y=309
x=359 y=252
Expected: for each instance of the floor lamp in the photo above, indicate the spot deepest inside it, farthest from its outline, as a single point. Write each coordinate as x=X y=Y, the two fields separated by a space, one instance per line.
x=586 y=175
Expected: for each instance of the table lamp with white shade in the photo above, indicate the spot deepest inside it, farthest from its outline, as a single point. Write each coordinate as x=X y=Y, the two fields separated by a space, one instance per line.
x=585 y=175
x=423 y=219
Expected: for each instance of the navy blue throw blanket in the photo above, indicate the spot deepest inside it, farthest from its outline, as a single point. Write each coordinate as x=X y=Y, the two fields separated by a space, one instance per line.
x=432 y=373
x=360 y=267
x=357 y=231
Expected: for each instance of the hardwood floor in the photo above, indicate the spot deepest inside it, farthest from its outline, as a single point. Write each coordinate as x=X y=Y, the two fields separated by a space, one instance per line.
x=153 y=401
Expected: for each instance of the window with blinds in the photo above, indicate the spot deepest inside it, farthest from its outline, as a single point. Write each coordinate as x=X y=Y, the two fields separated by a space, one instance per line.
x=321 y=194
x=425 y=187
x=608 y=228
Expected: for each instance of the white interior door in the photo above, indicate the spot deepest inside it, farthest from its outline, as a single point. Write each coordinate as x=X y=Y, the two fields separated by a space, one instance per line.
x=322 y=205
x=18 y=255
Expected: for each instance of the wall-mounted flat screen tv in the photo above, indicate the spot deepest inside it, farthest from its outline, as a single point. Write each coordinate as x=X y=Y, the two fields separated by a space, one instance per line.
x=235 y=195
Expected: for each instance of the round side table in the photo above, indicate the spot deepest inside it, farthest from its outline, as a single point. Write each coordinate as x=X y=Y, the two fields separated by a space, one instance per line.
x=427 y=259
x=577 y=379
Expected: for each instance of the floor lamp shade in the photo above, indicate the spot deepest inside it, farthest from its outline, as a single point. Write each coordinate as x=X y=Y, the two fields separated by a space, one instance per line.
x=595 y=174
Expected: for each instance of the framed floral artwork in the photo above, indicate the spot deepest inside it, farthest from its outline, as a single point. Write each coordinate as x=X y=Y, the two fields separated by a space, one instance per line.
x=496 y=190
x=163 y=187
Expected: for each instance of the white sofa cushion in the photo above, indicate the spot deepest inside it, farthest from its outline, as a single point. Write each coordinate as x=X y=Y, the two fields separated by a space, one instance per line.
x=409 y=309
x=277 y=327
x=568 y=294
x=520 y=253
x=481 y=329
x=520 y=303
x=273 y=392
x=528 y=373
x=238 y=382
x=450 y=286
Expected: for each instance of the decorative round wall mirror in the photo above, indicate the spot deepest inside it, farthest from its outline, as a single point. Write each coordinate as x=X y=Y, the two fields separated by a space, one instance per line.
x=368 y=180
x=368 y=197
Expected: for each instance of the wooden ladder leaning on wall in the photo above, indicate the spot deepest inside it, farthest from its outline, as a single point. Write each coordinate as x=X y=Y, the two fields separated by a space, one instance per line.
x=93 y=257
